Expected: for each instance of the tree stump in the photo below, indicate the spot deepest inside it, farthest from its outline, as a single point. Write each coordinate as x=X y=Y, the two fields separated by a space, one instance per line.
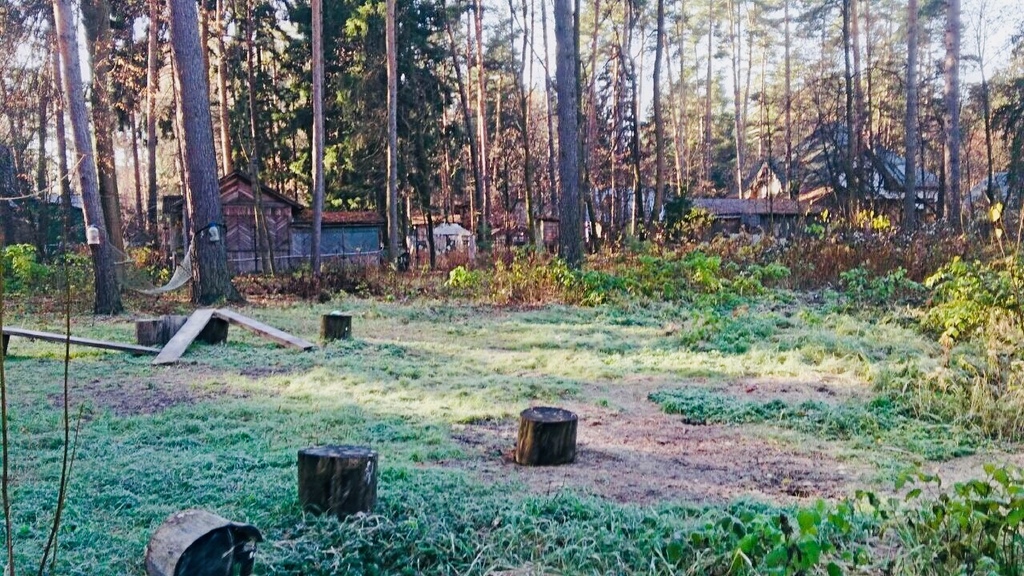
x=216 y=331
x=335 y=326
x=198 y=543
x=547 y=437
x=158 y=331
x=7 y=341
x=340 y=480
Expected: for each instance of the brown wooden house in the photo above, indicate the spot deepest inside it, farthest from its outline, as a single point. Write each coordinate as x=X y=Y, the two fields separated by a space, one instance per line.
x=240 y=208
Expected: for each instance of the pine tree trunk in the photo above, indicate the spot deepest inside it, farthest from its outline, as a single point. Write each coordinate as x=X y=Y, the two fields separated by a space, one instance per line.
x=96 y=18
x=484 y=202
x=211 y=281
x=467 y=119
x=659 y=120
x=140 y=217
x=910 y=121
x=392 y=100
x=952 y=116
x=60 y=132
x=152 y=88
x=43 y=219
x=790 y=190
x=226 y=157
x=255 y=159
x=524 y=117
x=549 y=103
x=707 y=99
x=108 y=298
x=318 y=134
x=570 y=242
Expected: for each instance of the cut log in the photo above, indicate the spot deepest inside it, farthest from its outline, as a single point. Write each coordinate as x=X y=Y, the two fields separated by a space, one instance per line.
x=547 y=437
x=7 y=340
x=335 y=326
x=198 y=543
x=339 y=480
x=216 y=331
x=158 y=331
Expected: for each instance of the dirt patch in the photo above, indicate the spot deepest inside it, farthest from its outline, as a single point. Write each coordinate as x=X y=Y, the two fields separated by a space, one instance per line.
x=630 y=451
x=971 y=467
x=127 y=397
x=792 y=391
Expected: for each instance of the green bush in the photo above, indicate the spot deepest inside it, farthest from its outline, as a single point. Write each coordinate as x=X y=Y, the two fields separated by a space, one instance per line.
x=965 y=293
x=21 y=269
x=886 y=289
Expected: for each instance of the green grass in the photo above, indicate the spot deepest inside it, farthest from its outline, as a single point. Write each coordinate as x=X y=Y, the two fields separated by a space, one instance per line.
x=882 y=421
x=226 y=439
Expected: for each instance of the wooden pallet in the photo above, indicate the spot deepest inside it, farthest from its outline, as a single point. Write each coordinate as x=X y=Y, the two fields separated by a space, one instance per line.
x=9 y=332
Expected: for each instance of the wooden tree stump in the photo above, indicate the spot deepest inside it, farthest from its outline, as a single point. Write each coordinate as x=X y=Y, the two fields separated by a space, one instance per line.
x=340 y=480
x=158 y=331
x=547 y=437
x=216 y=331
x=198 y=543
x=335 y=326
x=6 y=342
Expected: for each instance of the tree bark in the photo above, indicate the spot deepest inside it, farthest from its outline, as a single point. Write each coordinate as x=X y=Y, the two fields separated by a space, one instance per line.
x=60 y=132
x=392 y=100
x=570 y=241
x=259 y=216
x=211 y=281
x=339 y=480
x=790 y=190
x=549 y=103
x=910 y=121
x=96 y=18
x=108 y=298
x=952 y=116
x=140 y=216
x=318 y=134
x=547 y=437
x=467 y=119
x=43 y=220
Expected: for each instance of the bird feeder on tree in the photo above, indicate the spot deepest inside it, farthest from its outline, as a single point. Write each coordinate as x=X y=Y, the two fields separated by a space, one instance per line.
x=198 y=543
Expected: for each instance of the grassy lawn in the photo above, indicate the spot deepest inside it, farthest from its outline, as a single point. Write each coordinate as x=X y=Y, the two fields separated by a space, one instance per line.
x=687 y=416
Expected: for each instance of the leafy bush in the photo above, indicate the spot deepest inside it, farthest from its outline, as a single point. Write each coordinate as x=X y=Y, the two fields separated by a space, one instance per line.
x=964 y=293
x=888 y=289
x=21 y=269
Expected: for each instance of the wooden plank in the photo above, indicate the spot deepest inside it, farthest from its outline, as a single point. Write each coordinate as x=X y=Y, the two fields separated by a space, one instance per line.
x=51 y=337
x=269 y=332
x=184 y=337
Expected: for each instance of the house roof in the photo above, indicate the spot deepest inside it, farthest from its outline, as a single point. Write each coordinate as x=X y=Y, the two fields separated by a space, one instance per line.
x=725 y=207
x=341 y=218
x=450 y=229
x=239 y=176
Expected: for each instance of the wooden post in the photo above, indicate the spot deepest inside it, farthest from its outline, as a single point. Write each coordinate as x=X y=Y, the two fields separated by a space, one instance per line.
x=198 y=543
x=335 y=326
x=547 y=437
x=216 y=331
x=7 y=340
x=340 y=480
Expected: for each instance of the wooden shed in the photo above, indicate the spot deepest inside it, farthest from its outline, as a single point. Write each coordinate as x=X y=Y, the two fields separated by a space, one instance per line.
x=352 y=237
x=240 y=208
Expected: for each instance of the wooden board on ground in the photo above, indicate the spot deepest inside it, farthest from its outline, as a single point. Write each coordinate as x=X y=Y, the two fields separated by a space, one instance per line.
x=51 y=337
x=184 y=337
x=282 y=338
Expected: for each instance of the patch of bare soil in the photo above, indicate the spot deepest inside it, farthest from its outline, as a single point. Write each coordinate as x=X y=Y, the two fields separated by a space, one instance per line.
x=126 y=397
x=631 y=451
x=971 y=467
x=794 y=391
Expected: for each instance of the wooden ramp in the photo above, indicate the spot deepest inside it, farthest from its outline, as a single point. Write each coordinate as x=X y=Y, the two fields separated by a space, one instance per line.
x=184 y=337
x=51 y=337
x=269 y=332
x=199 y=319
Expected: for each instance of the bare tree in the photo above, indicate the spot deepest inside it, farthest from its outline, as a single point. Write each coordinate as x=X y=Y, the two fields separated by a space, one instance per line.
x=108 y=298
x=152 y=88
x=211 y=281
x=483 y=232
x=659 y=121
x=318 y=133
x=570 y=231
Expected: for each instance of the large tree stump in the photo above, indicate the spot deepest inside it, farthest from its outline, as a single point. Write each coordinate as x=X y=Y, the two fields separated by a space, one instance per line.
x=547 y=437
x=335 y=326
x=340 y=480
x=198 y=543
x=159 y=331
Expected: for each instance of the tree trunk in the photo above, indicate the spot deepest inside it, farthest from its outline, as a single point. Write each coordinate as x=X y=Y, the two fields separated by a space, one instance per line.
x=108 y=298
x=227 y=158
x=318 y=134
x=339 y=480
x=707 y=98
x=790 y=190
x=735 y=32
x=467 y=120
x=152 y=88
x=43 y=220
x=547 y=437
x=263 y=240
x=851 y=147
x=952 y=100
x=524 y=117
x=211 y=281
x=552 y=173
x=659 y=120
x=96 y=18
x=570 y=242
x=140 y=216
x=62 y=151
x=392 y=100
x=484 y=231
x=858 y=103
x=910 y=121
